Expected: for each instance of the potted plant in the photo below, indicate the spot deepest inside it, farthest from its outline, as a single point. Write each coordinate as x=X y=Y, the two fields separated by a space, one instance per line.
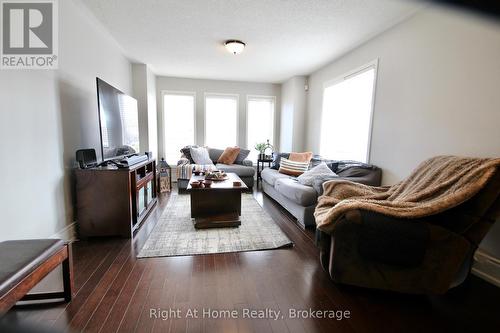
x=261 y=147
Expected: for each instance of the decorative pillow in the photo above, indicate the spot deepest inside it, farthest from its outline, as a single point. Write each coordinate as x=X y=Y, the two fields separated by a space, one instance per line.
x=214 y=154
x=319 y=181
x=301 y=157
x=242 y=156
x=292 y=168
x=277 y=159
x=229 y=155
x=186 y=151
x=200 y=156
x=317 y=160
x=321 y=170
x=333 y=165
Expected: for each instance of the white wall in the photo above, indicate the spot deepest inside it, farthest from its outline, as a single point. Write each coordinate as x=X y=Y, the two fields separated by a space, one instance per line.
x=45 y=116
x=293 y=114
x=144 y=90
x=200 y=87
x=437 y=90
x=287 y=108
x=152 y=113
x=140 y=93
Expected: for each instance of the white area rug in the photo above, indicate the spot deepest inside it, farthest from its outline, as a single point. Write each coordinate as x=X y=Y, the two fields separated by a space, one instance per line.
x=175 y=235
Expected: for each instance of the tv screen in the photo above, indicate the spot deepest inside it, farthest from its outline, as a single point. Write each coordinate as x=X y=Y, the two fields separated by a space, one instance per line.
x=118 y=119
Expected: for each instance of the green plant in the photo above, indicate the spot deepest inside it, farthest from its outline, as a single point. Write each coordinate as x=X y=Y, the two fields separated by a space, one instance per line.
x=260 y=147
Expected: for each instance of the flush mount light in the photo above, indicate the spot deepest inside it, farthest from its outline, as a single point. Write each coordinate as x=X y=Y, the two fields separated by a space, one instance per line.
x=234 y=46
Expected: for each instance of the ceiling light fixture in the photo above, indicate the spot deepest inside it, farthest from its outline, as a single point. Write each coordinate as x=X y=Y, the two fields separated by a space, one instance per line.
x=234 y=46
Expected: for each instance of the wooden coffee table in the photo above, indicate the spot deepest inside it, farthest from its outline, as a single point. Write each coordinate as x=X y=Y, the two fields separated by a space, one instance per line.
x=217 y=206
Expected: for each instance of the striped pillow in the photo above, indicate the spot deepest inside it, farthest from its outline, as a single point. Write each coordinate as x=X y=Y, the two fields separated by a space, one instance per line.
x=292 y=168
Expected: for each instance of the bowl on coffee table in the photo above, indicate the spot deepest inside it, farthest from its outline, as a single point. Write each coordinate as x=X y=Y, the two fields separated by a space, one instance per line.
x=197 y=184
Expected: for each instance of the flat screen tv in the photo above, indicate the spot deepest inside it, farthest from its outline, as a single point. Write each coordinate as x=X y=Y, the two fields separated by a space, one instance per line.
x=118 y=120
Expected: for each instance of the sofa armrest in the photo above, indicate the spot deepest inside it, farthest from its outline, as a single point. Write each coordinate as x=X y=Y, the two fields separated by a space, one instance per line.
x=247 y=163
x=392 y=241
x=370 y=179
x=410 y=256
x=380 y=238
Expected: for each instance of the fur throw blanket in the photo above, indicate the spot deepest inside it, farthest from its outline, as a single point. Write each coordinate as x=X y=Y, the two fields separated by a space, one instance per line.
x=438 y=184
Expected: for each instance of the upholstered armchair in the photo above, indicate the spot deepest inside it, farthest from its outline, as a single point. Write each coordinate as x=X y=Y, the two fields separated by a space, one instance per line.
x=422 y=256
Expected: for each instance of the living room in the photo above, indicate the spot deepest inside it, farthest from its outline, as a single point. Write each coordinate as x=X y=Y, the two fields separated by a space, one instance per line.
x=311 y=166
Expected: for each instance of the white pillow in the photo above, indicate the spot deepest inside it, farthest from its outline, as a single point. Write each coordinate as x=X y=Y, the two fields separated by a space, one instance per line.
x=200 y=156
x=307 y=178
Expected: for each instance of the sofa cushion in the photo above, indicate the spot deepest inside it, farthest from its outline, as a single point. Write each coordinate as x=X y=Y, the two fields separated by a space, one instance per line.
x=245 y=163
x=229 y=155
x=298 y=193
x=200 y=156
x=343 y=165
x=317 y=160
x=240 y=170
x=186 y=151
x=277 y=159
x=242 y=156
x=320 y=180
x=270 y=176
x=321 y=170
x=355 y=171
x=369 y=176
x=214 y=154
x=301 y=157
x=293 y=168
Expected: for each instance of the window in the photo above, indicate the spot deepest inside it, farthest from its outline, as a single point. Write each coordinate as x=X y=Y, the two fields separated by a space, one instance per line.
x=346 y=117
x=179 y=123
x=221 y=120
x=260 y=122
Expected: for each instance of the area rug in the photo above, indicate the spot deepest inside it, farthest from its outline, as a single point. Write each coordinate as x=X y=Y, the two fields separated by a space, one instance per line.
x=175 y=235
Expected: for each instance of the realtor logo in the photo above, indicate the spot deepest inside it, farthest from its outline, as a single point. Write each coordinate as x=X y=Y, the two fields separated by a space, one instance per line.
x=29 y=34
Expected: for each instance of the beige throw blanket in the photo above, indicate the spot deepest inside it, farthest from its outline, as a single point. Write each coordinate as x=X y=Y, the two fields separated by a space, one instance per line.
x=438 y=184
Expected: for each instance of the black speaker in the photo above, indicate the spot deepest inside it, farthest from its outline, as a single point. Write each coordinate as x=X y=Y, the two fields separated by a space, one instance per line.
x=86 y=158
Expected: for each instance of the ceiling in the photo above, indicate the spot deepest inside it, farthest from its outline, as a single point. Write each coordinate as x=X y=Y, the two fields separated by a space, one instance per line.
x=184 y=38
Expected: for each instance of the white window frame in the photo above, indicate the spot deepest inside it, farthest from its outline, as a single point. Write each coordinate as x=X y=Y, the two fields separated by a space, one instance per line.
x=370 y=65
x=212 y=94
x=273 y=139
x=180 y=93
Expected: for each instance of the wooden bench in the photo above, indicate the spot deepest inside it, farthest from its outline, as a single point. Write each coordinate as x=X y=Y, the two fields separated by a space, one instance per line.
x=24 y=263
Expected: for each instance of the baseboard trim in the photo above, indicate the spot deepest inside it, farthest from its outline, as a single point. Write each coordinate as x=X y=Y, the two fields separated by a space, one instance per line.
x=68 y=233
x=486 y=267
x=486 y=277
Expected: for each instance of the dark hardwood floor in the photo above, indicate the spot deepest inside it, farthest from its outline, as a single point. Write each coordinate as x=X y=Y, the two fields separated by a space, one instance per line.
x=115 y=292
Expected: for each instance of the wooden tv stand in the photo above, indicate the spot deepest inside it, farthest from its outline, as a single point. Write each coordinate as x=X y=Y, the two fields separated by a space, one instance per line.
x=113 y=201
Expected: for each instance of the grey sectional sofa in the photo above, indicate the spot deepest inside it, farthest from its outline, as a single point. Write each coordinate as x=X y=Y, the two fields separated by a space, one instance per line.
x=243 y=168
x=300 y=200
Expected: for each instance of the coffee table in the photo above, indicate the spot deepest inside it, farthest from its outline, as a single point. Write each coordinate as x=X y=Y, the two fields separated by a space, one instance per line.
x=217 y=206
